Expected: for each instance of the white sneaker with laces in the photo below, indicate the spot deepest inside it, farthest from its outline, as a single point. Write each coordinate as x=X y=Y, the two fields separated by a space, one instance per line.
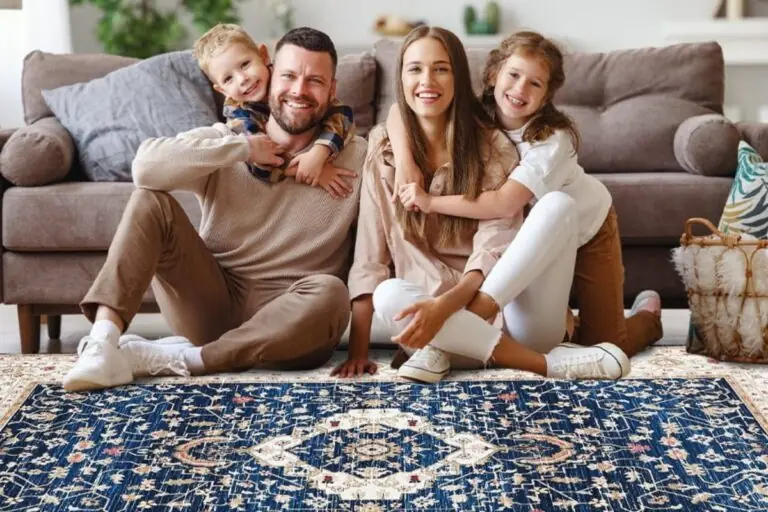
x=429 y=364
x=100 y=364
x=601 y=361
x=164 y=356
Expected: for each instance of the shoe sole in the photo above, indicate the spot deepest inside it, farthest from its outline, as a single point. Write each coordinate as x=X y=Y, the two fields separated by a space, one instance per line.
x=90 y=385
x=617 y=355
x=420 y=374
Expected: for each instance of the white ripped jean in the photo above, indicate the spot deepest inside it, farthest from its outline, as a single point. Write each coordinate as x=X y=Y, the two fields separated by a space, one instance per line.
x=531 y=281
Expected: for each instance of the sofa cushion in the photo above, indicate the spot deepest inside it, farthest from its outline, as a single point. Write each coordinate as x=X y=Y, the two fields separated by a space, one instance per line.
x=52 y=278
x=49 y=71
x=707 y=145
x=110 y=116
x=627 y=104
x=37 y=154
x=356 y=87
x=653 y=207
x=70 y=216
x=5 y=134
x=746 y=211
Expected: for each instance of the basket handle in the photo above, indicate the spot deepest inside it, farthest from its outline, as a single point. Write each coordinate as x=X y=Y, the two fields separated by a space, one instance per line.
x=706 y=223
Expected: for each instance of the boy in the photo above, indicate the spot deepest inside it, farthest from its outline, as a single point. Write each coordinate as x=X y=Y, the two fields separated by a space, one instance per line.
x=240 y=70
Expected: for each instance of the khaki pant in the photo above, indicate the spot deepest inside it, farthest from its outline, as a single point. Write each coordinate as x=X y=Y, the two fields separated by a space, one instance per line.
x=598 y=285
x=240 y=324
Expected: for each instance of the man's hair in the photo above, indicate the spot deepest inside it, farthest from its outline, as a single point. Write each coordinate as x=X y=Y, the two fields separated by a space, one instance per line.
x=309 y=39
x=217 y=39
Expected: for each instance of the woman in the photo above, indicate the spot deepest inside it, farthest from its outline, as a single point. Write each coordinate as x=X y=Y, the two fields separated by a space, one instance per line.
x=441 y=262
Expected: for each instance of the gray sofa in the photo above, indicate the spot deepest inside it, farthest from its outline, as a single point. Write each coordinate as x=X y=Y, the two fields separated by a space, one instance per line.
x=649 y=118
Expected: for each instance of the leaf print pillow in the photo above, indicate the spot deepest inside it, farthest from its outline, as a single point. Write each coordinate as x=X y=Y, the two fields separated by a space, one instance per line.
x=746 y=210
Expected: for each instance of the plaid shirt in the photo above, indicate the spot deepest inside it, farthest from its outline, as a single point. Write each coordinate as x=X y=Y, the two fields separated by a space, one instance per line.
x=251 y=118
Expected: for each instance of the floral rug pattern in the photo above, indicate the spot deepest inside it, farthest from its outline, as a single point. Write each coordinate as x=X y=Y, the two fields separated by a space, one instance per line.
x=683 y=432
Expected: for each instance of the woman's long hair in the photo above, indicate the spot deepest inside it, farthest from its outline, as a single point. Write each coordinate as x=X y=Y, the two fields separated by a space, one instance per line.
x=466 y=135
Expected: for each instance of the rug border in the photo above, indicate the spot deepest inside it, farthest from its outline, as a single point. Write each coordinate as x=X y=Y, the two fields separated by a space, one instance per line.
x=17 y=402
x=246 y=378
x=741 y=393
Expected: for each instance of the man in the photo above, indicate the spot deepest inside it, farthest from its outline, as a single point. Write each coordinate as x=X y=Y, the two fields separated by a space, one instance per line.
x=262 y=283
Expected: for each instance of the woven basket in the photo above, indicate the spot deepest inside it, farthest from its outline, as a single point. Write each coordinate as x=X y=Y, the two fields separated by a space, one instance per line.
x=726 y=277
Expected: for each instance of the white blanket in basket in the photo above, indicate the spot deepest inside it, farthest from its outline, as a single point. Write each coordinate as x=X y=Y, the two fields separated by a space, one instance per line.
x=728 y=296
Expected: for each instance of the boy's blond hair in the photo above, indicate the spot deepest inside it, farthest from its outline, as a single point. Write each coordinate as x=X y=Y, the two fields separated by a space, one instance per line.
x=217 y=39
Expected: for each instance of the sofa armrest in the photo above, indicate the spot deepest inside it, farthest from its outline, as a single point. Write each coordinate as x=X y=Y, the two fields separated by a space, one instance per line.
x=707 y=145
x=5 y=135
x=37 y=154
x=756 y=135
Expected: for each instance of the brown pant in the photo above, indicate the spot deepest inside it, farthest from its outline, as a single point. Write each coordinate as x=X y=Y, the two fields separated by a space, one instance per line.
x=240 y=324
x=598 y=285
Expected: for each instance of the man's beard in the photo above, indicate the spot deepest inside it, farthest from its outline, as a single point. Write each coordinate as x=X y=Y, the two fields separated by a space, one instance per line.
x=296 y=126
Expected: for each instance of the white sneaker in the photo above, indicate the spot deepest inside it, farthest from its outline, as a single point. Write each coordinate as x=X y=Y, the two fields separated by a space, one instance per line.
x=642 y=298
x=99 y=365
x=601 y=361
x=429 y=364
x=164 y=356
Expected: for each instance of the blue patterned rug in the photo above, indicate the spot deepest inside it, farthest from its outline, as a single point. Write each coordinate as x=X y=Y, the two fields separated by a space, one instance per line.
x=672 y=444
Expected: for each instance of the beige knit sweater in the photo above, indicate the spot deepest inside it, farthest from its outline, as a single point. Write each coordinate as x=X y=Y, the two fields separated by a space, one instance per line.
x=257 y=230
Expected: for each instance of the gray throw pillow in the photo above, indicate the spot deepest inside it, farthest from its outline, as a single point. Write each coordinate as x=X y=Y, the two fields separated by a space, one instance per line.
x=110 y=116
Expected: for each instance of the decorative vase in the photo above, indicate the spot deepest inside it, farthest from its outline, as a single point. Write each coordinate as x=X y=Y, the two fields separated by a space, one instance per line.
x=734 y=9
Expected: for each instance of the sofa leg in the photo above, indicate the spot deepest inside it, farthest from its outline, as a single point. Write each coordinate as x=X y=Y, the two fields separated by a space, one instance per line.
x=54 y=326
x=29 y=329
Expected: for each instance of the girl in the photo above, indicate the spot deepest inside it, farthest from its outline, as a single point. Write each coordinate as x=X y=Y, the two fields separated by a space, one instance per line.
x=440 y=262
x=521 y=78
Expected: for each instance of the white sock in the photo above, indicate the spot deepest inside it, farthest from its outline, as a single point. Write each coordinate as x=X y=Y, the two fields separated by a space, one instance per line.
x=105 y=330
x=194 y=359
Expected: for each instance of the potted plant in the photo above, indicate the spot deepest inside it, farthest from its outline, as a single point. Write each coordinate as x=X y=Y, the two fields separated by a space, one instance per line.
x=138 y=28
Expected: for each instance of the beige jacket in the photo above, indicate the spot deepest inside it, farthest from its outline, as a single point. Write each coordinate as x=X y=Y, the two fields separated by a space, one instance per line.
x=381 y=241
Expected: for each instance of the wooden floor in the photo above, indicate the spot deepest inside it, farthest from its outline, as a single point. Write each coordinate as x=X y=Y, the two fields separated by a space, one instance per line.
x=74 y=327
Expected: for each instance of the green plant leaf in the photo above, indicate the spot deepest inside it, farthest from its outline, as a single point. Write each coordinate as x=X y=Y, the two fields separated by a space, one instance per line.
x=137 y=28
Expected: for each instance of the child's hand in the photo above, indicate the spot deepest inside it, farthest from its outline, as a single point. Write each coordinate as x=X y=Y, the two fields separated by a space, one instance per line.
x=406 y=173
x=309 y=165
x=413 y=197
x=333 y=181
x=264 y=151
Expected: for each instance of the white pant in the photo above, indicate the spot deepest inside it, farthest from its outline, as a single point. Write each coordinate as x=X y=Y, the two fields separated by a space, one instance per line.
x=531 y=281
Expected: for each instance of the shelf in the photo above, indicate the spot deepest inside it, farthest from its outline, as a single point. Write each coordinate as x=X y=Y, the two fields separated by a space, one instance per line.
x=744 y=42
x=367 y=42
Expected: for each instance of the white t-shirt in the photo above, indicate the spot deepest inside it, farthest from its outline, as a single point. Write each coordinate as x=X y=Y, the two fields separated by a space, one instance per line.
x=551 y=165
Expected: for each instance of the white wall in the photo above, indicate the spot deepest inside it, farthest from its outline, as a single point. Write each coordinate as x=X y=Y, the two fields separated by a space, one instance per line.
x=12 y=37
x=584 y=24
x=587 y=25
x=40 y=24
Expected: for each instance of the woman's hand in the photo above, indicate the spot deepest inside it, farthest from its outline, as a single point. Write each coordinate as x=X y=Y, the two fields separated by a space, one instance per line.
x=355 y=368
x=413 y=197
x=428 y=318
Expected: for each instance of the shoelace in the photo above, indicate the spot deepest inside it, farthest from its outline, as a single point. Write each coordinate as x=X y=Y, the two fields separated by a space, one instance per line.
x=584 y=365
x=431 y=357
x=88 y=343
